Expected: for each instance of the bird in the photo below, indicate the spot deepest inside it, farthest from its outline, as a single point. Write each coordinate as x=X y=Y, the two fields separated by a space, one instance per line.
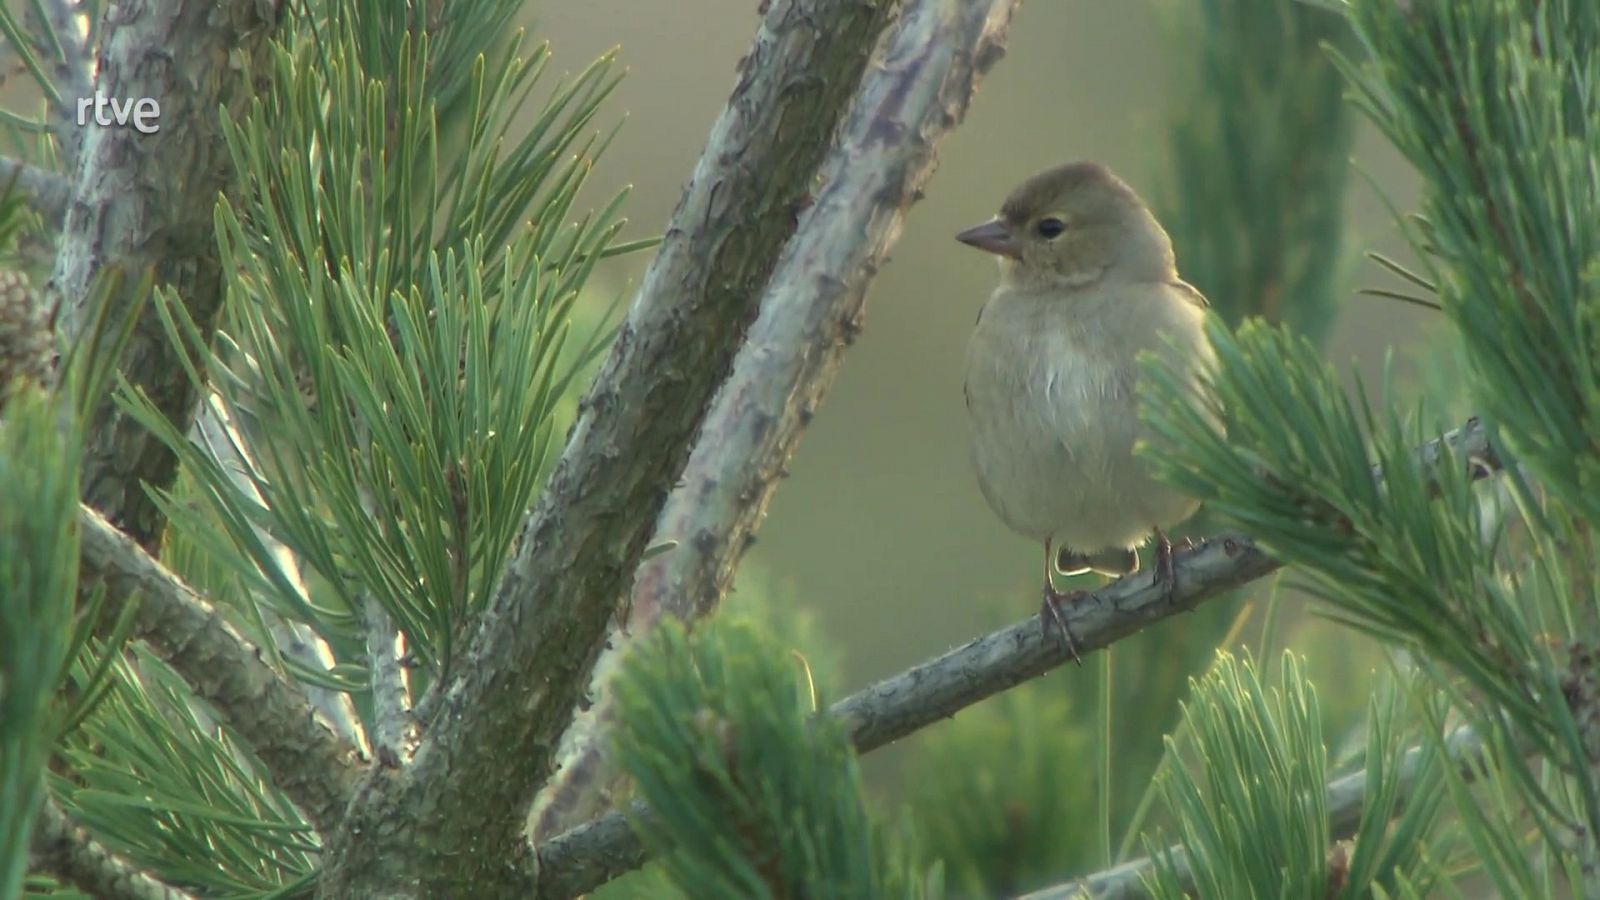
x=1088 y=281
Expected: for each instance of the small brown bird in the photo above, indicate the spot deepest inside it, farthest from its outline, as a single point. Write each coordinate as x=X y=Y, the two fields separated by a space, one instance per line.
x=1087 y=283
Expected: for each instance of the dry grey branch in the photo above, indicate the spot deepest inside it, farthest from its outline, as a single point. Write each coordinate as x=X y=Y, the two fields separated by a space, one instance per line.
x=300 y=751
x=895 y=707
x=810 y=314
x=941 y=687
x=63 y=849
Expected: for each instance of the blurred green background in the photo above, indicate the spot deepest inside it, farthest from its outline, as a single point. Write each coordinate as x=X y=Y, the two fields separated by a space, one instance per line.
x=880 y=534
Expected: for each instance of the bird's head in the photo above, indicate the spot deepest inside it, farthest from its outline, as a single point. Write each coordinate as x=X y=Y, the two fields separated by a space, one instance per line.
x=1073 y=225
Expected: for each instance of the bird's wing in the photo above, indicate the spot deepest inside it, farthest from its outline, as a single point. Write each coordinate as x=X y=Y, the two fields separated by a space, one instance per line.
x=1190 y=293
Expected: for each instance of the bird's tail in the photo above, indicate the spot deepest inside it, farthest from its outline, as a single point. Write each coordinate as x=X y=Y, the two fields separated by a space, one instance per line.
x=1112 y=563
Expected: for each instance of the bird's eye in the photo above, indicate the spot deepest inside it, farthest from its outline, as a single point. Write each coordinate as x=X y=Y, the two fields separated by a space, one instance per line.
x=1051 y=227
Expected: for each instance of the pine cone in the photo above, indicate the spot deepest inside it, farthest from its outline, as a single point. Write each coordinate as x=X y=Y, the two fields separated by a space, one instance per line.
x=26 y=350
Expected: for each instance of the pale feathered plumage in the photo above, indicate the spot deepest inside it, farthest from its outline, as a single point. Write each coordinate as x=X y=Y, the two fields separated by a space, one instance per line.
x=1087 y=283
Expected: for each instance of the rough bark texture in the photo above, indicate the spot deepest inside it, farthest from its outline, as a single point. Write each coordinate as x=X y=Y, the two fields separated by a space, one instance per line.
x=45 y=191
x=66 y=851
x=810 y=313
x=299 y=749
x=145 y=201
x=430 y=829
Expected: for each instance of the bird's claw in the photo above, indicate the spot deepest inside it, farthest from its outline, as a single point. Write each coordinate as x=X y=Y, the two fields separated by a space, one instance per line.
x=1050 y=615
x=1166 y=570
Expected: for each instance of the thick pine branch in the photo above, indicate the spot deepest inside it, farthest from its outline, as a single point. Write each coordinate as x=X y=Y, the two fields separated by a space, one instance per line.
x=598 y=851
x=500 y=715
x=810 y=314
x=44 y=190
x=302 y=754
x=144 y=202
x=65 y=850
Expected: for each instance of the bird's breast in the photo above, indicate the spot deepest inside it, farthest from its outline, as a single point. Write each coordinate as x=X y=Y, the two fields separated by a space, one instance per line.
x=1052 y=402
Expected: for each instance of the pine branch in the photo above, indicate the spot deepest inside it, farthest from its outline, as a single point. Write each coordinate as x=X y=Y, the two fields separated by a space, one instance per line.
x=215 y=431
x=300 y=751
x=144 y=202
x=1346 y=798
x=45 y=191
x=528 y=664
x=810 y=314
x=63 y=849
x=392 y=730
x=583 y=858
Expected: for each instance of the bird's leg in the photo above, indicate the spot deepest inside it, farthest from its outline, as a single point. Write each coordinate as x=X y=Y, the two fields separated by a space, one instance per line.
x=1050 y=607
x=1166 y=574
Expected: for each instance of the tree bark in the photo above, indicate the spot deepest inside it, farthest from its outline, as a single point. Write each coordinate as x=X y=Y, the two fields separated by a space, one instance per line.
x=65 y=850
x=144 y=202
x=301 y=753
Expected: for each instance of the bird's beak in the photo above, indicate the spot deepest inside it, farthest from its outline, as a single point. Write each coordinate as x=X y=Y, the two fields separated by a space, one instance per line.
x=994 y=237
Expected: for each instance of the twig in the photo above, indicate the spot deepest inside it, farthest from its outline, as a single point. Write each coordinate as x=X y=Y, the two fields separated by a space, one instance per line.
x=527 y=664
x=598 y=851
x=44 y=190
x=65 y=850
x=1346 y=798
x=214 y=430
x=392 y=731
x=300 y=751
x=810 y=314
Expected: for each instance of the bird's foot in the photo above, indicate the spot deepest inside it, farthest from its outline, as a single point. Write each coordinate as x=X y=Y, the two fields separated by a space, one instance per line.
x=1050 y=615
x=1166 y=571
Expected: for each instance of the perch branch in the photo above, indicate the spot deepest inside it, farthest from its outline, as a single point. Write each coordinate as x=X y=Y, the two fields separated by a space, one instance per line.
x=596 y=852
